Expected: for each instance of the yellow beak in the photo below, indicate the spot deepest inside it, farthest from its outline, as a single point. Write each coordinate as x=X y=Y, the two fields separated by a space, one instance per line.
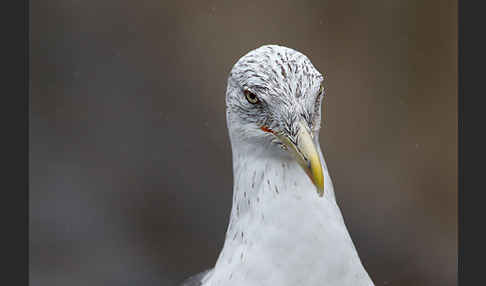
x=305 y=152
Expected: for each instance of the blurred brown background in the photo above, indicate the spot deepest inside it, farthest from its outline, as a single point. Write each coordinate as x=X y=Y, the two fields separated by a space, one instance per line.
x=130 y=164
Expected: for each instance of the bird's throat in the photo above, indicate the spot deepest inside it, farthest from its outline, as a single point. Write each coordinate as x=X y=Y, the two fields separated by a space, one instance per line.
x=277 y=222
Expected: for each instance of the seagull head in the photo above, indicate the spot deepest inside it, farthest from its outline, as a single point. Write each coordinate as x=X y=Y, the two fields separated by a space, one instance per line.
x=273 y=104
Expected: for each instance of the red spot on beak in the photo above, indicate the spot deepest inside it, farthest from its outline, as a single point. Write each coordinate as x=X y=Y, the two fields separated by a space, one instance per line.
x=266 y=129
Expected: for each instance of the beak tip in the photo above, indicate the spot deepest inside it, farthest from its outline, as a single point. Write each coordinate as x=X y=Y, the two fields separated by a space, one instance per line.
x=320 y=191
x=318 y=180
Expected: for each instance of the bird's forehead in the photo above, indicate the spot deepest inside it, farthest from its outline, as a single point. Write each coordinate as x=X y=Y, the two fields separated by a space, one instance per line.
x=276 y=71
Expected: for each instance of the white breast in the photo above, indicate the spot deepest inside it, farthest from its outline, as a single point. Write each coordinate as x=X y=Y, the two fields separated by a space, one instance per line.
x=282 y=233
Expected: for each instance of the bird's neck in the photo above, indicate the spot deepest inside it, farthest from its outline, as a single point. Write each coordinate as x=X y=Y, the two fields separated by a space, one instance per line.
x=263 y=178
x=266 y=185
x=280 y=225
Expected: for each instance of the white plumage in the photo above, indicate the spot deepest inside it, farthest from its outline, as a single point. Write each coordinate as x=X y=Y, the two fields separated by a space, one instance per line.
x=281 y=232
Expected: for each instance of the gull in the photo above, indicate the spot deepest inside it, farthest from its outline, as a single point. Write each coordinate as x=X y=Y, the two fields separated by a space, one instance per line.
x=285 y=226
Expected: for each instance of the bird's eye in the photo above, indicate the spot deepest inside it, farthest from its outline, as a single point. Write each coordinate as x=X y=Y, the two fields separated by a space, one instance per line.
x=251 y=97
x=321 y=90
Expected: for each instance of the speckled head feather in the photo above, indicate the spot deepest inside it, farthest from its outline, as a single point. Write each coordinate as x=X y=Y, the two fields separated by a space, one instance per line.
x=287 y=85
x=280 y=231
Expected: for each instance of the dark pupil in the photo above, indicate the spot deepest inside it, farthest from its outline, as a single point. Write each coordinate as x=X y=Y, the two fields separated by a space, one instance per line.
x=252 y=96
